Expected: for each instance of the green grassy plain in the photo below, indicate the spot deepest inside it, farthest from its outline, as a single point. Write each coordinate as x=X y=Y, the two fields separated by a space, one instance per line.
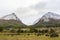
x=27 y=37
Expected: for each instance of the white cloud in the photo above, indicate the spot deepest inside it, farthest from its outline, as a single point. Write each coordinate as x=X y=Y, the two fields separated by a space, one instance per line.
x=29 y=14
x=40 y=9
x=26 y=11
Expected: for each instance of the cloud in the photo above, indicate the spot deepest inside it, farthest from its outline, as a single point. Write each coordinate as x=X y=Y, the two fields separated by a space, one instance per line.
x=54 y=6
x=26 y=11
x=31 y=13
x=38 y=10
x=32 y=9
x=39 y=6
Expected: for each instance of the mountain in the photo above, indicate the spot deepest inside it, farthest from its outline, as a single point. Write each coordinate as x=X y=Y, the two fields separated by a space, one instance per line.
x=10 y=17
x=49 y=18
x=11 y=20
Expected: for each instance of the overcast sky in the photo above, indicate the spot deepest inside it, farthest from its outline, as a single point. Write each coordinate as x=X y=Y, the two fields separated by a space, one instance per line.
x=29 y=10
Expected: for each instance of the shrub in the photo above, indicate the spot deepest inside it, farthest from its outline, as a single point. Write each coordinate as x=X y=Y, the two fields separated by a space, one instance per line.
x=54 y=35
x=28 y=34
x=12 y=31
x=38 y=34
x=33 y=30
x=52 y=30
x=43 y=31
x=47 y=34
x=19 y=31
x=1 y=29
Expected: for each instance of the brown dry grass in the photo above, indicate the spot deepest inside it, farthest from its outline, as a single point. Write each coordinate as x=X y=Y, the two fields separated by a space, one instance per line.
x=27 y=37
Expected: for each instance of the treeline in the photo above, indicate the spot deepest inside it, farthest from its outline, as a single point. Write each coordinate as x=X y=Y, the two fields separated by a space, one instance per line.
x=47 y=32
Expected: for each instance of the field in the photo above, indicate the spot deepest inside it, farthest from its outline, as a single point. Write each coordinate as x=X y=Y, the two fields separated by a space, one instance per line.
x=24 y=36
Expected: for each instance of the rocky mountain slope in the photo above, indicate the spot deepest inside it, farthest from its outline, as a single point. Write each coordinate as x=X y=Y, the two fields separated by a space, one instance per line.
x=49 y=18
x=11 y=20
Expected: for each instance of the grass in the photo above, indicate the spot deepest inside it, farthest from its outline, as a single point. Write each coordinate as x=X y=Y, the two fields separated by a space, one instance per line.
x=27 y=37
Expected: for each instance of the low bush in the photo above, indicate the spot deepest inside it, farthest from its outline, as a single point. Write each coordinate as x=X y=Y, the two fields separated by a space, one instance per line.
x=12 y=31
x=1 y=29
x=54 y=35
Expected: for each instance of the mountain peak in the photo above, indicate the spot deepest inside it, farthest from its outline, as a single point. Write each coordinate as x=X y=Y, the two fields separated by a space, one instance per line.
x=49 y=16
x=10 y=17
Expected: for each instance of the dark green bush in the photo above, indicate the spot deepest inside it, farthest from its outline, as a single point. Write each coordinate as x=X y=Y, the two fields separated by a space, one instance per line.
x=52 y=30
x=19 y=31
x=28 y=34
x=33 y=30
x=38 y=34
x=54 y=35
x=12 y=31
x=1 y=29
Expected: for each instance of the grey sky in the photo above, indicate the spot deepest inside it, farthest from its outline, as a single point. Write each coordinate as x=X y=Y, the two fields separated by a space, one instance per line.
x=29 y=10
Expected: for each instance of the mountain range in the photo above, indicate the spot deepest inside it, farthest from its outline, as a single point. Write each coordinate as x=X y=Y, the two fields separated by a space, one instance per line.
x=48 y=19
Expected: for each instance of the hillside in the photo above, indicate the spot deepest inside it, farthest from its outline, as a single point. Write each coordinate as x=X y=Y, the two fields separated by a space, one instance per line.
x=50 y=19
x=11 y=20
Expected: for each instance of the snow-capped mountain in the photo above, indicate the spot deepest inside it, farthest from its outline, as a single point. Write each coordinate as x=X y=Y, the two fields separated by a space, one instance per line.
x=50 y=16
x=11 y=17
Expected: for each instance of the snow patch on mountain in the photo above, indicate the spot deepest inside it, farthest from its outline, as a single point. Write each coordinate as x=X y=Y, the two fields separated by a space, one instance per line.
x=50 y=15
x=10 y=17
